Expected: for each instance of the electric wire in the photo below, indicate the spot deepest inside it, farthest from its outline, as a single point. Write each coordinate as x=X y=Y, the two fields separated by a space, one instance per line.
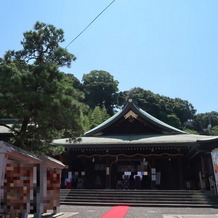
x=90 y=23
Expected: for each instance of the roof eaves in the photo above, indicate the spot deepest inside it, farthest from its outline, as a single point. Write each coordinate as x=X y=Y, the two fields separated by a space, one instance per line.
x=131 y=106
x=108 y=122
x=160 y=123
x=52 y=162
x=18 y=153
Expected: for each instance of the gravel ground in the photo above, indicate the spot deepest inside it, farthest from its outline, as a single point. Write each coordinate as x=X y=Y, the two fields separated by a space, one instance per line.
x=139 y=212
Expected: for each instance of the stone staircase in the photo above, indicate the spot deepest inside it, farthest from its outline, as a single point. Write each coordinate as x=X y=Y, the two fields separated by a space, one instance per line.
x=154 y=198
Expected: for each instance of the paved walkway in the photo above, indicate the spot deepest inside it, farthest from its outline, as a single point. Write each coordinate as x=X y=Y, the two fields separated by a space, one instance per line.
x=190 y=216
x=137 y=212
x=140 y=212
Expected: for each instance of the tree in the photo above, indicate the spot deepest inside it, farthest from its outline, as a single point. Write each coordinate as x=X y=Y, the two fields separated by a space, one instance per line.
x=214 y=130
x=36 y=93
x=97 y=116
x=173 y=120
x=100 y=90
x=145 y=99
x=183 y=109
x=172 y=111
x=41 y=45
x=74 y=82
x=206 y=122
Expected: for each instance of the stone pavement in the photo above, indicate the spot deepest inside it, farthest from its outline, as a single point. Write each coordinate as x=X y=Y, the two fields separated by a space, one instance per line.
x=48 y=215
x=191 y=216
x=68 y=211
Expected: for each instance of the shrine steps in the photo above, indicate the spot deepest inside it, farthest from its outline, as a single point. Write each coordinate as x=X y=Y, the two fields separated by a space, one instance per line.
x=153 y=198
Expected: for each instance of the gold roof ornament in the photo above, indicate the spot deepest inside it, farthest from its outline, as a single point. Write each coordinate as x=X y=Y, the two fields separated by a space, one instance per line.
x=131 y=116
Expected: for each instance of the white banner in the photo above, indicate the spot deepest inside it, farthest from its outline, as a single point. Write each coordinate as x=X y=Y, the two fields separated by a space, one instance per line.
x=215 y=165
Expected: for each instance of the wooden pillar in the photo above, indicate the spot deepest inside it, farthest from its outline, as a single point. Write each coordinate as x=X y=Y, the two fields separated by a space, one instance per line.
x=3 y=163
x=202 y=173
x=180 y=170
x=41 y=195
x=110 y=171
x=203 y=169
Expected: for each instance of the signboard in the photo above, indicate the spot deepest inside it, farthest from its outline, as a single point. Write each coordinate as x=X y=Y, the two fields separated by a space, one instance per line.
x=215 y=166
x=70 y=175
x=153 y=177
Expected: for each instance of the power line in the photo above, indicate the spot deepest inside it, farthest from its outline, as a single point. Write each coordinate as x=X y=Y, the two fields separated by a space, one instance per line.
x=90 y=23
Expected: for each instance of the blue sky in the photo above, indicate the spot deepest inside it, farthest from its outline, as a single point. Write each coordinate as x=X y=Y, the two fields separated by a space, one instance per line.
x=168 y=47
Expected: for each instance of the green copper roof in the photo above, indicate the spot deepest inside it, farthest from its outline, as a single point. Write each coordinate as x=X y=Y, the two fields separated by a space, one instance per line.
x=132 y=127
x=137 y=140
x=130 y=110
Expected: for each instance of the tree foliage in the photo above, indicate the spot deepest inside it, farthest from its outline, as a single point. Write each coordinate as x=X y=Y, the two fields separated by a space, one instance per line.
x=214 y=130
x=41 y=46
x=172 y=111
x=100 y=90
x=207 y=122
x=34 y=91
x=97 y=116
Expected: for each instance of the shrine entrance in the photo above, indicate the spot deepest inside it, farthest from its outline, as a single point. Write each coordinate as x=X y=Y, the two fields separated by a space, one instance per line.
x=152 y=173
x=130 y=172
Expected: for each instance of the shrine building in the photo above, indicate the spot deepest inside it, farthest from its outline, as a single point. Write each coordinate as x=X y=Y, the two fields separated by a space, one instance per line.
x=132 y=144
